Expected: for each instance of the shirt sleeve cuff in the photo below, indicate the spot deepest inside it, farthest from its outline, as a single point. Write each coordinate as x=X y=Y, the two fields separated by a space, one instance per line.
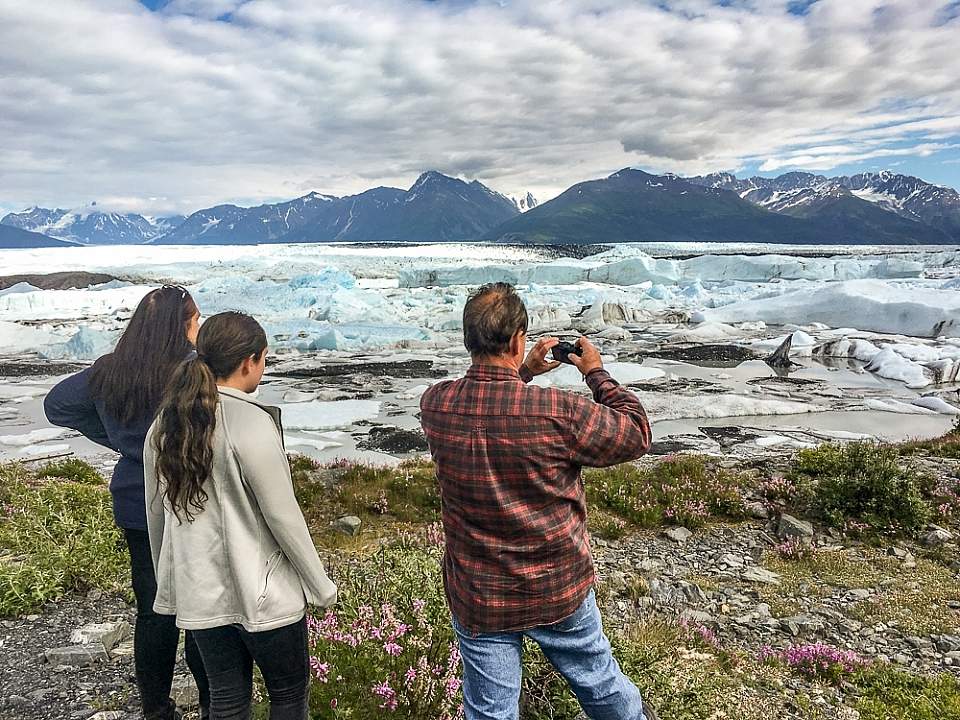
x=525 y=374
x=595 y=378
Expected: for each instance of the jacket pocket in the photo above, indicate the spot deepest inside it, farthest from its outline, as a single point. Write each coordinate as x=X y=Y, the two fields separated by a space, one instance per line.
x=272 y=565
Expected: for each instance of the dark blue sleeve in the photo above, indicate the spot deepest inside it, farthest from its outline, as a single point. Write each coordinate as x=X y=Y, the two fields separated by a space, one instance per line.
x=69 y=405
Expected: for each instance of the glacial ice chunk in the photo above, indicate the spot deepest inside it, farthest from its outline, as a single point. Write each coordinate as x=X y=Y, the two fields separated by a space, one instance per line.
x=864 y=304
x=328 y=415
x=33 y=437
x=567 y=376
x=86 y=344
x=937 y=404
x=889 y=364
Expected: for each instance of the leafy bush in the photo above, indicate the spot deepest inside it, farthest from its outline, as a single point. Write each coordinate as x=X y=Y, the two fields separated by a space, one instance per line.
x=680 y=490
x=863 y=481
x=890 y=694
x=57 y=536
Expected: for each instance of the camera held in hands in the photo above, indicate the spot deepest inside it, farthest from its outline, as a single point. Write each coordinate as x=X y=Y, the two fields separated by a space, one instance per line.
x=563 y=350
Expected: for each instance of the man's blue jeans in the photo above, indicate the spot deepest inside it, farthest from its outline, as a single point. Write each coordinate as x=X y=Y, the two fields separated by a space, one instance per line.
x=578 y=650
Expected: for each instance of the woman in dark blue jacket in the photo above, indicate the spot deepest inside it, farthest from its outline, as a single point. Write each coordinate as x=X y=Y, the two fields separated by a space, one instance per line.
x=113 y=404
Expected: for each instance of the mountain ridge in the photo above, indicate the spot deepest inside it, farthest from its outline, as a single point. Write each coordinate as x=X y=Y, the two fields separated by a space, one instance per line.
x=634 y=206
x=867 y=208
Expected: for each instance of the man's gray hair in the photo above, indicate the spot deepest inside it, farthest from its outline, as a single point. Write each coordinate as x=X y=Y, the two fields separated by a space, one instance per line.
x=492 y=316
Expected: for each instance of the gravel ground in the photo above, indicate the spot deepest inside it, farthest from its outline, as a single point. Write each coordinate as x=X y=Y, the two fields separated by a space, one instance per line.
x=33 y=689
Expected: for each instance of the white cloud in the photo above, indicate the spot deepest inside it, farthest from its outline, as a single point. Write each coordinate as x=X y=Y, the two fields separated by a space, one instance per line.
x=175 y=109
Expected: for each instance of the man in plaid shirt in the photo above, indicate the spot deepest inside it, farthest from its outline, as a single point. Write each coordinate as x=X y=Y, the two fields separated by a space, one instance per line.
x=517 y=559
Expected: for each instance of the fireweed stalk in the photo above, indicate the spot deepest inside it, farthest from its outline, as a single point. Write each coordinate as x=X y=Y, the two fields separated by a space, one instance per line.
x=817 y=661
x=387 y=647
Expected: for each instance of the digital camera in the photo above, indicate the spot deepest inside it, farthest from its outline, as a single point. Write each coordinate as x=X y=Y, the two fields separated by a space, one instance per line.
x=563 y=350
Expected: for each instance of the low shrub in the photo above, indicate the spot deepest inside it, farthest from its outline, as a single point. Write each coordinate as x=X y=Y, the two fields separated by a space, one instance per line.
x=57 y=536
x=71 y=469
x=865 y=482
x=680 y=490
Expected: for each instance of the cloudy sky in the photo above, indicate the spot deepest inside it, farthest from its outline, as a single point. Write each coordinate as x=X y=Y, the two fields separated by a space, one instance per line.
x=174 y=105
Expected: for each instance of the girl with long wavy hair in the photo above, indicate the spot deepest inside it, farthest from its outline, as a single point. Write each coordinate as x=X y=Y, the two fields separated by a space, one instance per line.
x=234 y=559
x=113 y=403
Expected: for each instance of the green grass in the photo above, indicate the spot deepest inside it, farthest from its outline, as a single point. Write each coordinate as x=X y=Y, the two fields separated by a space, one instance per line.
x=57 y=536
x=684 y=490
x=890 y=694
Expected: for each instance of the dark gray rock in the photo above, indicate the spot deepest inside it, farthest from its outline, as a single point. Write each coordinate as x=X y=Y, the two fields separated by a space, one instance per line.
x=790 y=527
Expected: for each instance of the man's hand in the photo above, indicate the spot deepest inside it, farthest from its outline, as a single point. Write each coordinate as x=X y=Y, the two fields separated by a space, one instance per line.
x=536 y=361
x=590 y=360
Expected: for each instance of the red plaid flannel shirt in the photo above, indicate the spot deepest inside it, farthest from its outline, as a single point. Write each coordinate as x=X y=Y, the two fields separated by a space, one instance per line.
x=508 y=459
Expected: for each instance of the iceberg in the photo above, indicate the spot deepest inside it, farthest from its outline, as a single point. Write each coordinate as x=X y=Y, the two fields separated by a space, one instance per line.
x=628 y=265
x=889 y=364
x=939 y=405
x=863 y=304
x=895 y=406
x=664 y=406
x=86 y=344
x=70 y=304
x=16 y=338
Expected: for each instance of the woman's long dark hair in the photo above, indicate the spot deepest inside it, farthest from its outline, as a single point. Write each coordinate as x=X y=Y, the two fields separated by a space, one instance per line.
x=187 y=417
x=130 y=380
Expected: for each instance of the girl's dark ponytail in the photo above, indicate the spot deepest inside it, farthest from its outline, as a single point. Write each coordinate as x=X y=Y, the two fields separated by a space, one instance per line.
x=183 y=439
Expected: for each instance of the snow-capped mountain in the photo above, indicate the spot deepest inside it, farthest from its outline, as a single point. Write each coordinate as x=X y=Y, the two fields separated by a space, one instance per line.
x=796 y=193
x=234 y=224
x=634 y=206
x=89 y=225
x=909 y=197
x=525 y=202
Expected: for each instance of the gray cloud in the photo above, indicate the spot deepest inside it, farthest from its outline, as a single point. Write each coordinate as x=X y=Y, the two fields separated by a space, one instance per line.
x=177 y=110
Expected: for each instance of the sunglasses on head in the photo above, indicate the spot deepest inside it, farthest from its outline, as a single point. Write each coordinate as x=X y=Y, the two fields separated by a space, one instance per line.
x=183 y=290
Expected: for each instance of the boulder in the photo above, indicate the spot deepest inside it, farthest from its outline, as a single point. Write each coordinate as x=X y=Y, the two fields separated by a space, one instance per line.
x=760 y=575
x=678 y=534
x=77 y=655
x=790 y=527
x=108 y=634
x=348 y=525
x=936 y=536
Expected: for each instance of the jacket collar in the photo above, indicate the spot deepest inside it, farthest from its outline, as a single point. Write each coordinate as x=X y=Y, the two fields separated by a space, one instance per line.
x=485 y=372
x=271 y=410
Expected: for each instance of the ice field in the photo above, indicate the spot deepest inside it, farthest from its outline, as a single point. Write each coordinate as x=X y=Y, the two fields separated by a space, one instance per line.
x=875 y=331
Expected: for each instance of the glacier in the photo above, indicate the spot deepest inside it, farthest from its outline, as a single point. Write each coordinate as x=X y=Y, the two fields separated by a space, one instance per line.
x=892 y=311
